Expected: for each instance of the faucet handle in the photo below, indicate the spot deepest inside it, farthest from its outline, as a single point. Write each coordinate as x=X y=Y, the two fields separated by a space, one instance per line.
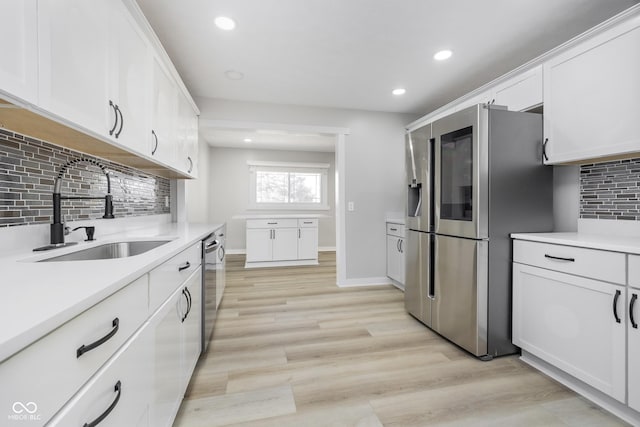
x=90 y=230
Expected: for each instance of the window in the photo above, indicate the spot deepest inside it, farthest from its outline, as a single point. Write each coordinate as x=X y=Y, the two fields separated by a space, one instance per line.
x=288 y=185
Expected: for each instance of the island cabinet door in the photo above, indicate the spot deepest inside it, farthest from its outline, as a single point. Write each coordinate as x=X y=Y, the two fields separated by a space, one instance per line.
x=573 y=323
x=634 y=348
x=259 y=244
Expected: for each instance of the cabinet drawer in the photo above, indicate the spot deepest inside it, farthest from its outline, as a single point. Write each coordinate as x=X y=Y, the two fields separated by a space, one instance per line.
x=166 y=278
x=50 y=371
x=127 y=378
x=307 y=222
x=272 y=223
x=592 y=263
x=634 y=270
x=395 y=229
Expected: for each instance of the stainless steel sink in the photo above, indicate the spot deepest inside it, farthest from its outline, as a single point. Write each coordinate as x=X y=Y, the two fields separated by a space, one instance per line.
x=110 y=251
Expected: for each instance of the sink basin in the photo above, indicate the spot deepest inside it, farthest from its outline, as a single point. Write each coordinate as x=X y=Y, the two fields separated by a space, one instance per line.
x=110 y=251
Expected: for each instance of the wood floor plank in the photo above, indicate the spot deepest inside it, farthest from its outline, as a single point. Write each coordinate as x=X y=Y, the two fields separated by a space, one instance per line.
x=290 y=348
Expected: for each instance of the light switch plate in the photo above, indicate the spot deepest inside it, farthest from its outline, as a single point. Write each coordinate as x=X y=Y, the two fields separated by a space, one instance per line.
x=351 y=207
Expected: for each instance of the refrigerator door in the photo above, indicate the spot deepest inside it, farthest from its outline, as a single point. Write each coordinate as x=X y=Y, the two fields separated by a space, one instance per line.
x=462 y=173
x=418 y=275
x=459 y=307
x=419 y=155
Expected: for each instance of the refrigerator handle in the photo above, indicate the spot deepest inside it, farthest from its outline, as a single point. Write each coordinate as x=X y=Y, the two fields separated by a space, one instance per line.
x=432 y=262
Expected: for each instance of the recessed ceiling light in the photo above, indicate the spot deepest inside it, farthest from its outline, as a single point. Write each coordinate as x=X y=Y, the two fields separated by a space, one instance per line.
x=225 y=23
x=247 y=140
x=234 y=75
x=442 y=55
x=399 y=91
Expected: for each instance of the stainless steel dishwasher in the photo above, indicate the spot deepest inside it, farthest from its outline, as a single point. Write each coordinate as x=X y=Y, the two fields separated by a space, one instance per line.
x=210 y=261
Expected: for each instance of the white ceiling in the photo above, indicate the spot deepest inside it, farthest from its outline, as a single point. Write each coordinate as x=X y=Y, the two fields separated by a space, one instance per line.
x=269 y=139
x=352 y=53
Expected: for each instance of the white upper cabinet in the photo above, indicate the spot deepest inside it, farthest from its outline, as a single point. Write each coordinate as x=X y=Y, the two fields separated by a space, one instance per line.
x=521 y=92
x=19 y=47
x=164 y=100
x=130 y=82
x=73 y=54
x=591 y=97
x=187 y=137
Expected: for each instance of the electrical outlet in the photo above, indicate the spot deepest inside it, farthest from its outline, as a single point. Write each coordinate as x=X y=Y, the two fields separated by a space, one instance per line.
x=351 y=207
x=166 y=201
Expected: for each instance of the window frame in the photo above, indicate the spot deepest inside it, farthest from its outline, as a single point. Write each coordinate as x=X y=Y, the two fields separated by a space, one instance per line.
x=289 y=167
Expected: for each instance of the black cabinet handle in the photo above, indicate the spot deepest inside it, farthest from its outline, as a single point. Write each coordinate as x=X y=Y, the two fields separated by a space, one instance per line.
x=155 y=138
x=184 y=316
x=634 y=297
x=121 y=121
x=401 y=248
x=115 y=119
x=393 y=229
x=190 y=164
x=544 y=149
x=398 y=245
x=189 y=301
x=272 y=223
x=105 y=414
x=85 y=348
x=615 y=306
x=559 y=258
x=221 y=253
x=185 y=266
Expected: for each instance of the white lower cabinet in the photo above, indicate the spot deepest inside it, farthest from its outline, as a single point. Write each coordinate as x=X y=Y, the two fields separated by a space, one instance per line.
x=290 y=241
x=118 y=395
x=176 y=347
x=395 y=253
x=573 y=323
x=633 y=330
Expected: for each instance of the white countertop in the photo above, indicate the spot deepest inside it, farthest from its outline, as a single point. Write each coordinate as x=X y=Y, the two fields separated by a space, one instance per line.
x=629 y=245
x=396 y=221
x=38 y=297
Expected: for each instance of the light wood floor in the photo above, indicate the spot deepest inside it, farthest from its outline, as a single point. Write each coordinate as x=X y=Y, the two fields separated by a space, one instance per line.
x=292 y=349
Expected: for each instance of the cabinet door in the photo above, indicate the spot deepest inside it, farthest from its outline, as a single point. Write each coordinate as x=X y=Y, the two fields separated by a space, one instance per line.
x=187 y=137
x=285 y=244
x=570 y=322
x=393 y=258
x=19 y=47
x=520 y=92
x=191 y=328
x=123 y=384
x=130 y=78
x=73 y=56
x=307 y=243
x=259 y=244
x=634 y=348
x=163 y=110
x=167 y=375
x=591 y=103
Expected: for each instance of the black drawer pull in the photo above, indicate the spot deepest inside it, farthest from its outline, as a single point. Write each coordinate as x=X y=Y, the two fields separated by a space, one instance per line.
x=615 y=306
x=105 y=414
x=393 y=229
x=307 y=222
x=559 y=258
x=185 y=266
x=272 y=223
x=85 y=348
x=634 y=297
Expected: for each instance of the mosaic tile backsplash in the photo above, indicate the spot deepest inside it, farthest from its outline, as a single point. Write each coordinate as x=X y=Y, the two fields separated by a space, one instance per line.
x=28 y=168
x=610 y=190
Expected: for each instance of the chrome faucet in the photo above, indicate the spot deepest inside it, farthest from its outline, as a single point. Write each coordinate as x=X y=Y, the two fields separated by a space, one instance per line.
x=58 y=228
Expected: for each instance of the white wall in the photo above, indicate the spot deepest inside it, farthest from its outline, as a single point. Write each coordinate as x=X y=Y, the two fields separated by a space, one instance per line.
x=229 y=191
x=197 y=190
x=374 y=159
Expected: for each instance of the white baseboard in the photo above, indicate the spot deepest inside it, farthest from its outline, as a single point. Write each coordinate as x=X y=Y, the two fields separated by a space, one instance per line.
x=280 y=263
x=364 y=281
x=235 y=251
x=326 y=249
x=606 y=402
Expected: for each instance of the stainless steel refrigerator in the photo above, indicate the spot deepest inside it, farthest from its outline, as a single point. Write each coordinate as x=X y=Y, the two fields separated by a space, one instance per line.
x=473 y=178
